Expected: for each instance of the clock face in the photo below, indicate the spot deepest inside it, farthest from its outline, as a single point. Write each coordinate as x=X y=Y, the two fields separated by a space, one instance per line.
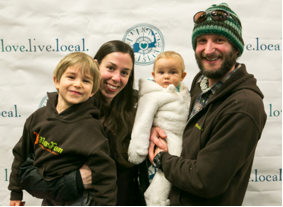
x=147 y=42
x=43 y=101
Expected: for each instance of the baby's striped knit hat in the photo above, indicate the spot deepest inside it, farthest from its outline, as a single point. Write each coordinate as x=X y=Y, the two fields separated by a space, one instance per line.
x=229 y=28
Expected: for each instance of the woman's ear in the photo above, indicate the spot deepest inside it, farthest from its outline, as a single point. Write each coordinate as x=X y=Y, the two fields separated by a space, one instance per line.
x=96 y=63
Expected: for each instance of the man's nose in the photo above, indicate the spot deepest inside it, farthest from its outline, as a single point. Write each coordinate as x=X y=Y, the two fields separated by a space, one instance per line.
x=209 y=48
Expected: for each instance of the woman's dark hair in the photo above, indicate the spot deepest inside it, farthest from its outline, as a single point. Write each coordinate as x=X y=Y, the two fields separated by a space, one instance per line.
x=120 y=114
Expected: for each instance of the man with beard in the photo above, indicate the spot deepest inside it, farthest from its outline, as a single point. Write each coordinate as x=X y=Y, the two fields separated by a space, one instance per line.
x=225 y=123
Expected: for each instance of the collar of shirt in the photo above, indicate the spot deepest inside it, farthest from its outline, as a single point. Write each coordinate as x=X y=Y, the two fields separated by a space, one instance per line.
x=208 y=91
x=203 y=81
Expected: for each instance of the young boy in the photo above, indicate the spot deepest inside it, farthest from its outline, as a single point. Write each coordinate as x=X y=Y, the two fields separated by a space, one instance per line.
x=67 y=133
x=163 y=102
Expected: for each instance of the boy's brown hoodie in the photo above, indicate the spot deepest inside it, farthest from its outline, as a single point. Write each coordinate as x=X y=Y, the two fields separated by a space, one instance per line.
x=62 y=143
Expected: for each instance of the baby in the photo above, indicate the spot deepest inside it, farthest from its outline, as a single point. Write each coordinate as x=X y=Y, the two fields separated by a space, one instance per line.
x=163 y=102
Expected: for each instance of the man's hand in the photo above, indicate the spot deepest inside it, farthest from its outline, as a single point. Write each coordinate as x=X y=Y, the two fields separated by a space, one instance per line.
x=17 y=203
x=155 y=135
x=86 y=176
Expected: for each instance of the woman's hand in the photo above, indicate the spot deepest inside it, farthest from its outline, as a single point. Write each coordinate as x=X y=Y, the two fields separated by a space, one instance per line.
x=157 y=149
x=157 y=137
x=86 y=176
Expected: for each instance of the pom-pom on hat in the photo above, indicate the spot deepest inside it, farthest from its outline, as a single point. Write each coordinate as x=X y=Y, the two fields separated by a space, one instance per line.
x=230 y=28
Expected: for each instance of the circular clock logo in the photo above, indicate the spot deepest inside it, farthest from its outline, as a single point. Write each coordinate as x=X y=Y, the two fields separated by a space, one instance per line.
x=147 y=42
x=43 y=101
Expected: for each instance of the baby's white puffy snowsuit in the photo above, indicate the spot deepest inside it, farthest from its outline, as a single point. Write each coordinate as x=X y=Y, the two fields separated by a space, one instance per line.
x=168 y=109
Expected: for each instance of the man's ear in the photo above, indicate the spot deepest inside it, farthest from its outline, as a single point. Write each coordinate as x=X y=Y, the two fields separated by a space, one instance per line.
x=56 y=82
x=183 y=76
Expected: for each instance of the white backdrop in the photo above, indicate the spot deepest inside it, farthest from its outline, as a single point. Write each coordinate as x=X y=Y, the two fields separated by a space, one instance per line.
x=35 y=35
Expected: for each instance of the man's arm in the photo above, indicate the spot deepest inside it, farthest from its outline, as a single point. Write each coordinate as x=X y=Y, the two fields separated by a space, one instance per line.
x=229 y=148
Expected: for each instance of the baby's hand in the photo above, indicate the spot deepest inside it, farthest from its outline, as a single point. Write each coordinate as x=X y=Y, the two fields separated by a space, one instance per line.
x=17 y=203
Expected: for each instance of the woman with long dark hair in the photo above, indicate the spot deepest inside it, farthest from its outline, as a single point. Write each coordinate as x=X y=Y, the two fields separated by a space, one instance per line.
x=116 y=100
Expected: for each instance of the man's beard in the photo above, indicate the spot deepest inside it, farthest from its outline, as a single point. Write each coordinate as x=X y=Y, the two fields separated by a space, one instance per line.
x=229 y=60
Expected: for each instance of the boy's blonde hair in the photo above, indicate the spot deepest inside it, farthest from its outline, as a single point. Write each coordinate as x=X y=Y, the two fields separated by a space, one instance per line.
x=84 y=63
x=170 y=54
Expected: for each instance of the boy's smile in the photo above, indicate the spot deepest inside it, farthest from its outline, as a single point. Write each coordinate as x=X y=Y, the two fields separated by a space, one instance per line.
x=73 y=88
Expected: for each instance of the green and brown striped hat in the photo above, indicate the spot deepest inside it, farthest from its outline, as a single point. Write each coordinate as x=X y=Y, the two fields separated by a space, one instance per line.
x=230 y=28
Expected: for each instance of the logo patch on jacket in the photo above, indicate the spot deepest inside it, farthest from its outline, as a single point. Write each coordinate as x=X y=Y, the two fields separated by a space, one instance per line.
x=198 y=126
x=50 y=147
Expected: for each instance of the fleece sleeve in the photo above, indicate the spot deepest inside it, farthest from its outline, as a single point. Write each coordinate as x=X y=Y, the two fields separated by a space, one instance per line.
x=20 y=152
x=138 y=148
x=104 y=174
x=231 y=146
